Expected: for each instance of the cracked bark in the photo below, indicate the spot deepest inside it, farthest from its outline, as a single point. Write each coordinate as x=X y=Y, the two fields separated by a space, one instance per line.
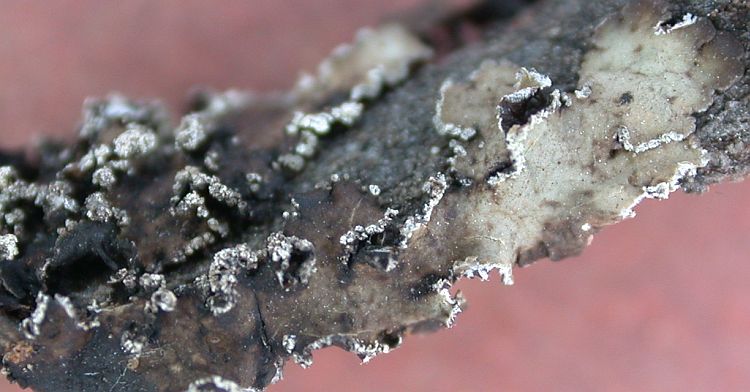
x=324 y=261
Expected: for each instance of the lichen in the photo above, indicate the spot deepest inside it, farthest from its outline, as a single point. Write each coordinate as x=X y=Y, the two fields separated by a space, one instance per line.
x=540 y=202
x=8 y=247
x=145 y=252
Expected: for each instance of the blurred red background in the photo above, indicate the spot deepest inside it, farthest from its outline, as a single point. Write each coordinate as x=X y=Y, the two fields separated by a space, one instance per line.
x=656 y=303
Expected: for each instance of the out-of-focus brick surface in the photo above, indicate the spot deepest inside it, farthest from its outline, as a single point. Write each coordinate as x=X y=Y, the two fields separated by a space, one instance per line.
x=658 y=303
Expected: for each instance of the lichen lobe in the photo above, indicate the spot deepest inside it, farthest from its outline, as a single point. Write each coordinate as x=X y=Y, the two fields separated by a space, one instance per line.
x=222 y=266
x=576 y=165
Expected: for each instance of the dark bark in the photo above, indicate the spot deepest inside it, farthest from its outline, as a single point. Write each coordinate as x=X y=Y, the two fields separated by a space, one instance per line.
x=155 y=258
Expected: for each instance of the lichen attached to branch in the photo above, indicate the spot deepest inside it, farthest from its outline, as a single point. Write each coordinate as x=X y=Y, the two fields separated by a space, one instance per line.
x=147 y=252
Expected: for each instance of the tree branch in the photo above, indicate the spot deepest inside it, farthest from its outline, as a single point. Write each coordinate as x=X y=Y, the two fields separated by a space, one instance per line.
x=146 y=252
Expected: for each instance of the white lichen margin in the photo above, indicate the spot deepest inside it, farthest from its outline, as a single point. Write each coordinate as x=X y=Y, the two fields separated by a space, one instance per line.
x=453 y=304
x=217 y=384
x=471 y=268
x=72 y=312
x=448 y=128
x=222 y=276
x=435 y=189
x=8 y=247
x=623 y=136
x=365 y=350
x=30 y=325
x=359 y=233
x=280 y=249
x=378 y=59
x=688 y=19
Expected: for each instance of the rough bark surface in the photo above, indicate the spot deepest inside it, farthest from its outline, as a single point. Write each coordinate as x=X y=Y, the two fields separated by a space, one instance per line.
x=148 y=252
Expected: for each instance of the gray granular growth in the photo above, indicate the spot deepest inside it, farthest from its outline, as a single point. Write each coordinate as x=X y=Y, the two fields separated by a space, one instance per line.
x=147 y=251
